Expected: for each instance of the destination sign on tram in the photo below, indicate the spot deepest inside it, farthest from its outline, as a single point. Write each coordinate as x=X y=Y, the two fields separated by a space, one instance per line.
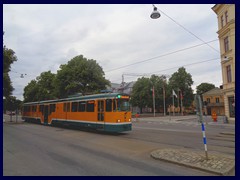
x=123 y=97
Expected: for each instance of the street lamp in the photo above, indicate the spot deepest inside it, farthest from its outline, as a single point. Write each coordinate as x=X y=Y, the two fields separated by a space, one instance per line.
x=155 y=14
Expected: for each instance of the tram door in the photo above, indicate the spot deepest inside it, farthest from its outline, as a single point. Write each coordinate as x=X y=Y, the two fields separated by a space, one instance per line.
x=46 y=114
x=100 y=110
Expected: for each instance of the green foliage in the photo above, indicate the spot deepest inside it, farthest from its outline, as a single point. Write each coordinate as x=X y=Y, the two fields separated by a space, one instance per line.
x=40 y=89
x=80 y=75
x=204 y=87
x=11 y=104
x=9 y=57
x=142 y=95
x=181 y=80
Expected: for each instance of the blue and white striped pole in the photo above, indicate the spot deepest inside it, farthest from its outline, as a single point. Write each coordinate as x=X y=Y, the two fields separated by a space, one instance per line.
x=204 y=140
x=200 y=114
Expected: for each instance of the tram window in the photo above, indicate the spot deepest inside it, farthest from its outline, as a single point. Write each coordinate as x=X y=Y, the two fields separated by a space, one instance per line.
x=74 y=106
x=52 y=108
x=65 y=107
x=90 y=106
x=82 y=106
x=114 y=105
x=41 y=108
x=109 y=105
x=25 y=108
x=68 y=107
x=123 y=105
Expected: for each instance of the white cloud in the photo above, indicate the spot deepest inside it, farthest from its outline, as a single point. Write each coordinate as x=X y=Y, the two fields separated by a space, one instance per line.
x=46 y=36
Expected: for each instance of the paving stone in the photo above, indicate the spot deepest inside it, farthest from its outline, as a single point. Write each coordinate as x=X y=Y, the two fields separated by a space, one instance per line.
x=216 y=163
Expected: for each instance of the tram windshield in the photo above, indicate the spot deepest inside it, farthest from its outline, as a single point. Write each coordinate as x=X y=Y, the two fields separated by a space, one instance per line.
x=123 y=105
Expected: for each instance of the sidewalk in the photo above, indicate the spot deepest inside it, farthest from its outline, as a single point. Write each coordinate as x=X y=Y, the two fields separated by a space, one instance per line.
x=14 y=120
x=217 y=163
x=193 y=118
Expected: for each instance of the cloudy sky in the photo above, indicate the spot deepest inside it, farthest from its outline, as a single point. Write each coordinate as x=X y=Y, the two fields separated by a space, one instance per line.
x=122 y=38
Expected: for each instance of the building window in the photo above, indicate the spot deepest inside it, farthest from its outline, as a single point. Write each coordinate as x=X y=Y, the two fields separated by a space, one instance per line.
x=226 y=44
x=217 y=100
x=231 y=106
x=208 y=100
x=229 y=74
x=221 y=21
x=226 y=17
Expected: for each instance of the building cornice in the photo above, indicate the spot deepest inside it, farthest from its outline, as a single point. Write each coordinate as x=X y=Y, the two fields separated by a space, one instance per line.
x=216 y=8
x=227 y=27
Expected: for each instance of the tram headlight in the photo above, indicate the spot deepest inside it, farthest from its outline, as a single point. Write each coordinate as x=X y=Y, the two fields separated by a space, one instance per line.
x=129 y=119
x=118 y=120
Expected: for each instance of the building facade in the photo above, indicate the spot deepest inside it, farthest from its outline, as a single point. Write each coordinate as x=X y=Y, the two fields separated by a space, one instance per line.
x=214 y=102
x=226 y=34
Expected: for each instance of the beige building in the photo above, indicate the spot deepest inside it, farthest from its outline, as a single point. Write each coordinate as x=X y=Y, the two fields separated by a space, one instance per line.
x=226 y=34
x=215 y=102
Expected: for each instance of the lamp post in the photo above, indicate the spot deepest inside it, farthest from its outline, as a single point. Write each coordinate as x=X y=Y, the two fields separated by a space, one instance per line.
x=155 y=14
x=153 y=102
x=164 y=108
x=153 y=96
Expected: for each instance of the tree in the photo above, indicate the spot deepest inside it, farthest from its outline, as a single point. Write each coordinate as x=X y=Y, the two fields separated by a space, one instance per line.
x=12 y=104
x=80 y=75
x=46 y=86
x=204 y=87
x=40 y=89
x=181 y=81
x=31 y=92
x=142 y=93
x=9 y=57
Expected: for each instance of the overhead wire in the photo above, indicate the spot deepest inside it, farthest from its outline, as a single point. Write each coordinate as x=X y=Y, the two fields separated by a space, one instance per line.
x=189 y=31
x=199 y=62
x=167 y=54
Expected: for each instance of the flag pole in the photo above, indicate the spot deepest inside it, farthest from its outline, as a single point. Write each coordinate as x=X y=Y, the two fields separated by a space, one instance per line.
x=173 y=104
x=181 y=103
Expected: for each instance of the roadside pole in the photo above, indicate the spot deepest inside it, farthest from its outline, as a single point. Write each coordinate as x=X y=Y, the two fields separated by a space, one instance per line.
x=16 y=115
x=11 y=117
x=169 y=112
x=198 y=102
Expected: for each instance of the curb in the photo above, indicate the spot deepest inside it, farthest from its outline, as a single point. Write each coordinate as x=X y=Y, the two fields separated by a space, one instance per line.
x=218 y=164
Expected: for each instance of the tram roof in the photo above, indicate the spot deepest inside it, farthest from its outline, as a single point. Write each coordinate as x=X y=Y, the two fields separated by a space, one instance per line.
x=87 y=97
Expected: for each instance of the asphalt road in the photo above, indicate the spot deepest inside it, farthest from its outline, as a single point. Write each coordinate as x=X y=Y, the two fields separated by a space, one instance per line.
x=30 y=149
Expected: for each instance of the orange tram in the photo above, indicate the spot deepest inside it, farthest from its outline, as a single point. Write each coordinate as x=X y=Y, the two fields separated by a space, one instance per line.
x=105 y=112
